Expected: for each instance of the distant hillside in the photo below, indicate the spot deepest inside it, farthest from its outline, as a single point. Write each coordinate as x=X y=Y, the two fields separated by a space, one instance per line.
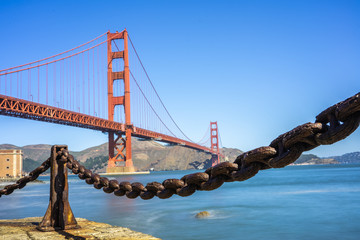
x=97 y=151
x=353 y=157
x=151 y=154
x=348 y=158
x=146 y=155
x=230 y=153
x=313 y=159
x=39 y=152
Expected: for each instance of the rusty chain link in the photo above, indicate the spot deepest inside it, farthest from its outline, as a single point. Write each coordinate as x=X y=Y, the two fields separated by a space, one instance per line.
x=332 y=125
x=33 y=175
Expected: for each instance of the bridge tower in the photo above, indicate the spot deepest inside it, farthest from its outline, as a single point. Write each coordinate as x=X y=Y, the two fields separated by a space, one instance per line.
x=120 y=144
x=214 y=138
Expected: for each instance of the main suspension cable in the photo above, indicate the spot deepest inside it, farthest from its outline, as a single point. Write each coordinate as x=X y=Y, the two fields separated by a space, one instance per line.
x=41 y=60
x=150 y=104
x=147 y=75
x=60 y=59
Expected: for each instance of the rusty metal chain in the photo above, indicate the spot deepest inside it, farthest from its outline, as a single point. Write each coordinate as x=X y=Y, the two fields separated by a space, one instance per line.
x=332 y=125
x=33 y=175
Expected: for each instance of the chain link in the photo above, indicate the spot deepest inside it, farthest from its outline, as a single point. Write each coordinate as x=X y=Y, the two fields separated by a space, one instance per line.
x=332 y=125
x=33 y=175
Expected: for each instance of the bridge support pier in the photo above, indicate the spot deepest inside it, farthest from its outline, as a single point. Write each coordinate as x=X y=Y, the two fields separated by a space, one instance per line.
x=122 y=154
x=58 y=215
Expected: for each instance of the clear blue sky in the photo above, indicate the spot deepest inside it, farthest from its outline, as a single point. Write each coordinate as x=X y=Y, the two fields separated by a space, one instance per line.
x=259 y=68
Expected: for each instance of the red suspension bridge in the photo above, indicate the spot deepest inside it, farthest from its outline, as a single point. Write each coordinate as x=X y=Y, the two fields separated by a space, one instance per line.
x=73 y=88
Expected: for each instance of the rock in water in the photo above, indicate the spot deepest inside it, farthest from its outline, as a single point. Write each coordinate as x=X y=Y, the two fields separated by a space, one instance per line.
x=203 y=214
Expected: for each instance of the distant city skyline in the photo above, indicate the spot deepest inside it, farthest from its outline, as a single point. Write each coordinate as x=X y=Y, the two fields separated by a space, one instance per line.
x=259 y=68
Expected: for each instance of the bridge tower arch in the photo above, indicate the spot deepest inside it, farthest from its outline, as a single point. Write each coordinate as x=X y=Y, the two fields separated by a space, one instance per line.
x=119 y=147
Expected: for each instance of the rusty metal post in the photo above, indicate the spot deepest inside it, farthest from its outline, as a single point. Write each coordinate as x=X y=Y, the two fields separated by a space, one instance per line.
x=58 y=215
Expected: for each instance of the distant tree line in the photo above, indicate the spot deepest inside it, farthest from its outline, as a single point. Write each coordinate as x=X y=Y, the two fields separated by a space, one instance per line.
x=96 y=162
x=30 y=164
x=91 y=163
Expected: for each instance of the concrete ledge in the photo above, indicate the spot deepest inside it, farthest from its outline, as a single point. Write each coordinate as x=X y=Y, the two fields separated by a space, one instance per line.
x=25 y=229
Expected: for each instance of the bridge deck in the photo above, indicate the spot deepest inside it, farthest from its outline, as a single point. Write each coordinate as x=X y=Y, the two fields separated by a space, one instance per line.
x=15 y=107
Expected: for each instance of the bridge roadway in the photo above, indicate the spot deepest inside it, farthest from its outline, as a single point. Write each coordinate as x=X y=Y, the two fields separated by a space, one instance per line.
x=16 y=107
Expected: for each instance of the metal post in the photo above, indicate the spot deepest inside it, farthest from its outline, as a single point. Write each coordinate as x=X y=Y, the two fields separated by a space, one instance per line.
x=58 y=215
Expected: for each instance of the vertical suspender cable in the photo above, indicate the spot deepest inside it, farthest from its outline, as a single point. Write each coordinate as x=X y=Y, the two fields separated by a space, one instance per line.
x=20 y=85
x=29 y=83
x=93 y=68
x=66 y=80
x=70 y=83
x=47 y=87
x=5 y=85
x=54 y=84
x=77 y=83
x=11 y=85
x=61 y=85
x=83 y=86
x=38 y=84
x=17 y=84
x=98 y=81
x=88 y=77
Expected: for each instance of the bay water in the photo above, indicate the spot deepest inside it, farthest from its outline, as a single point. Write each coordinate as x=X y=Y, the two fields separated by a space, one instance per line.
x=296 y=202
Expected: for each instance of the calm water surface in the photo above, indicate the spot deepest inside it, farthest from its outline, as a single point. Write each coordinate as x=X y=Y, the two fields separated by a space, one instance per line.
x=297 y=202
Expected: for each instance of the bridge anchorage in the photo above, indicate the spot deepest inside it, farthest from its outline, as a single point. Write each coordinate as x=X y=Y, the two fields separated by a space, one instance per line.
x=332 y=125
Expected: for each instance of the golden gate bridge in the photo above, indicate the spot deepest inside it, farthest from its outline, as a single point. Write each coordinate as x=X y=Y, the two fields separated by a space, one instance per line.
x=74 y=87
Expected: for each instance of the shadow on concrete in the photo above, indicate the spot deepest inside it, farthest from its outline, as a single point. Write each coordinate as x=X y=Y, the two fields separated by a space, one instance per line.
x=69 y=235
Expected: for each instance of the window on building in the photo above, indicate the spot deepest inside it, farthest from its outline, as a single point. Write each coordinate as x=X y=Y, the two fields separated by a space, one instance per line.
x=7 y=159
x=7 y=167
